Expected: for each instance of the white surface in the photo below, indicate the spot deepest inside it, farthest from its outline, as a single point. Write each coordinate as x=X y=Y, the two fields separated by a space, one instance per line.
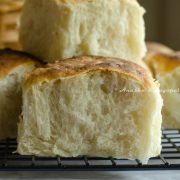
x=143 y=175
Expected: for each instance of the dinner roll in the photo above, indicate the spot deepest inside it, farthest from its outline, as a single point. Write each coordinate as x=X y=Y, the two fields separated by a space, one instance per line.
x=166 y=68
x=60 y=29
x=13 y=66
x=91 y=106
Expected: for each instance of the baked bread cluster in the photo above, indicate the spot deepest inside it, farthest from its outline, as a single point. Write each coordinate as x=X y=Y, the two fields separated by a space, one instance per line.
x=87 y=100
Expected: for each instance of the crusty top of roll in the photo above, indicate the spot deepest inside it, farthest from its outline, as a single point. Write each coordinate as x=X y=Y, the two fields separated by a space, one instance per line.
x=11 y=59
x=154 y=47
x=77 y=65
x=163 y=62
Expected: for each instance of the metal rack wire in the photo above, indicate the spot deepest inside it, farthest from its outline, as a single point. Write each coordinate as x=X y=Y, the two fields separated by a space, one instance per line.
x=168 y=160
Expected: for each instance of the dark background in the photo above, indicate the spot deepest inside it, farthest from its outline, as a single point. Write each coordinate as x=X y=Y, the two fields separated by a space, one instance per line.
x=163 y=21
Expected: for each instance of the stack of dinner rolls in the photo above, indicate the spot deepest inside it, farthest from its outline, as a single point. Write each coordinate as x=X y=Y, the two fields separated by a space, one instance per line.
x=96 y=96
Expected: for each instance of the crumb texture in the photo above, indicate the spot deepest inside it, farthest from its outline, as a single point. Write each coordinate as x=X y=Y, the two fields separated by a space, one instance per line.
x=113 y=28
x=11 y=101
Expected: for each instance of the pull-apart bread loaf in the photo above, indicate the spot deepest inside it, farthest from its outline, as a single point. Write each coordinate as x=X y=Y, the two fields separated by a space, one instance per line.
x=91 y=106
x=166 y=68
x=60 y=29
x=13 y=66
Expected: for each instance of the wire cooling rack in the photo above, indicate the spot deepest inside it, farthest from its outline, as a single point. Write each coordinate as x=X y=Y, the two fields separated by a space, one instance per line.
x=168 y=160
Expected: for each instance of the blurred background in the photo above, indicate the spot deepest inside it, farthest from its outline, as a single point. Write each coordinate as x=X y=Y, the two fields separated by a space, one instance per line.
x=10 y=11
x=162 y=22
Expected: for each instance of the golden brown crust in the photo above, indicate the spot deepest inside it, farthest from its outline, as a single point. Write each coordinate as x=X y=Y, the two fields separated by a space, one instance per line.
x=85 y=64
x=11 y=59
x=162 y=63
x=154 y=47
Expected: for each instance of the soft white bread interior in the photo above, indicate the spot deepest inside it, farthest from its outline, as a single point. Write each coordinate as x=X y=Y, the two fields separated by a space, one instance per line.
x=91 y=106
x=60 y=29
x=166 y=69
x=13 y=66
